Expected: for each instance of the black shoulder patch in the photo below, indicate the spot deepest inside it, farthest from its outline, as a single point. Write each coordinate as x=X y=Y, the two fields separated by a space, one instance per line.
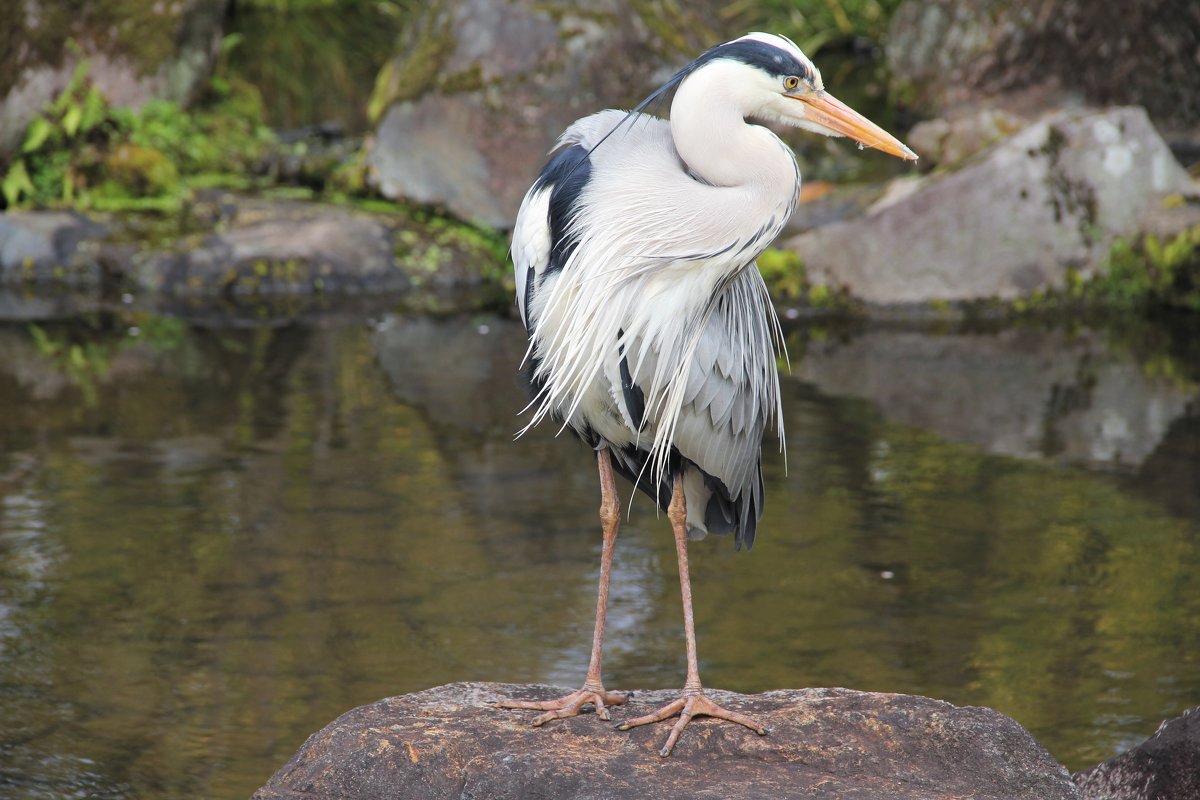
x=567 y=173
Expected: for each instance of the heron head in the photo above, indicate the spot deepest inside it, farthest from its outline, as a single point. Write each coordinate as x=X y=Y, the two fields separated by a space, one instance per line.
x=775 y=82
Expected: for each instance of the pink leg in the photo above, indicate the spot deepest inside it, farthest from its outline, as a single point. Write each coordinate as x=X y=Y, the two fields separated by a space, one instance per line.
x=593 y=690
x=693 y=702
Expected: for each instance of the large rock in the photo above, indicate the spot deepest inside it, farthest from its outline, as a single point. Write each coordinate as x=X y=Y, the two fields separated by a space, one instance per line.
x=482 y=89
x=1164 y=767
x=135 y=52
x=271 y=248
x=1037 y=54
x=1011 y=221
x=48 y=246
x=253 y=247
x=828 y=743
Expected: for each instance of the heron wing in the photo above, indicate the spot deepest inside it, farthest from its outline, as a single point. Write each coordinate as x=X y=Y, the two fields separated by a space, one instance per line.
x=724 y=410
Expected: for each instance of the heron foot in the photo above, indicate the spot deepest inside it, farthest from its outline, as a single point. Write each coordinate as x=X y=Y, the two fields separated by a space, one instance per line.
x=691 y=704
x=570 y=705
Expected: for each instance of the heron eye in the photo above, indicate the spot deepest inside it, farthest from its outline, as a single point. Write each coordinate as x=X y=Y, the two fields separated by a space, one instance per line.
x=791 y=82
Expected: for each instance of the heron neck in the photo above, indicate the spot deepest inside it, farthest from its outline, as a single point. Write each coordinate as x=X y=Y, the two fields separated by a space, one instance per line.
x=719 y=147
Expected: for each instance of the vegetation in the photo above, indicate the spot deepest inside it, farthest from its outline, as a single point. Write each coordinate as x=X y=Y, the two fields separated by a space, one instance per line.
x=83 y=152
x=314 y=58
x=819 y=22
x=1141 y=274
x=1151 y=272
x=787 y=280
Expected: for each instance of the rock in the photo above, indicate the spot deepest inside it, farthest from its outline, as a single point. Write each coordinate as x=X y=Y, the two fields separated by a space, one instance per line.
x=48 y=246
x=949 y=141
x=483 y=88
x=1033 y=55
x=1011 y=221
x=254 y=247
x=447 y=742
x=135 y=52
x=1164 y=767
x=1032 y=394
x=291 y=248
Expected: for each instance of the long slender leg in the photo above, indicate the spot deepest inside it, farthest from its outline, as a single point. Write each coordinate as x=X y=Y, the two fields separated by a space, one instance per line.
x=593 y=690
x=692 y=702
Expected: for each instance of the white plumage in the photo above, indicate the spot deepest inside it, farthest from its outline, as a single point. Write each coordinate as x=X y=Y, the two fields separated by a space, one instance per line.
x=662 y=274
x=651 y=333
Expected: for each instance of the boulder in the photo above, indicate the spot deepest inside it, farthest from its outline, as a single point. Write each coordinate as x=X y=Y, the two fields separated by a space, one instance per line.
x=834 y=743
x=1164 y=767
x=1032 y=55
x=271 y=248
x=950 y=141
x=254 y=247
x=482 y=89
x=48 y=246
x=135 y=52
x=1011 y=221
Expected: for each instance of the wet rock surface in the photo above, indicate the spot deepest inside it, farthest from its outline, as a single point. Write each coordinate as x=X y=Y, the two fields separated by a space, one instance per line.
x=43 y=246
x=1164 y=767
x=230 y=245
x=447 y=742
x=1012 y=221
x=272 y=248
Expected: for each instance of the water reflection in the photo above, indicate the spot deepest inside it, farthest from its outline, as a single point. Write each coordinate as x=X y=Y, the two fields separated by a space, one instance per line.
x=1024 y=392
x=213 y=541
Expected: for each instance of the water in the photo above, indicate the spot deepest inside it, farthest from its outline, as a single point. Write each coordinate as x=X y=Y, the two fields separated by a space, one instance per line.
x=214 y=540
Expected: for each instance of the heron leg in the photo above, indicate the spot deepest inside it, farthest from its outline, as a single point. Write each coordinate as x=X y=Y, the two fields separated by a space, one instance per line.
x=692 y=702
x=593 y=691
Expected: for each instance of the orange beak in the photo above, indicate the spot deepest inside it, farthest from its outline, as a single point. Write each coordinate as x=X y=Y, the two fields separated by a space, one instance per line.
x=827 y=111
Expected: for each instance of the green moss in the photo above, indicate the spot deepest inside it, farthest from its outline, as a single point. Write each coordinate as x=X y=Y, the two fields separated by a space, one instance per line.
x=142 y=171
x=787 y=281
x=417 y=70
x=783 y=271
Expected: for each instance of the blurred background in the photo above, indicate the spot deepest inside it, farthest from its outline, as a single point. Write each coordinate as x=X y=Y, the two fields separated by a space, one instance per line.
x=258 y=373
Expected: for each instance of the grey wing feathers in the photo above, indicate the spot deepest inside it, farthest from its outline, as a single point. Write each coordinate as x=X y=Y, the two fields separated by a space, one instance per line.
x=720 y=428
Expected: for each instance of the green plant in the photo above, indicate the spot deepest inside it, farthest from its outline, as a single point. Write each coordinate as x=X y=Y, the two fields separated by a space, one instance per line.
x=83 y=152
x=816 y=23
x=1150 y=271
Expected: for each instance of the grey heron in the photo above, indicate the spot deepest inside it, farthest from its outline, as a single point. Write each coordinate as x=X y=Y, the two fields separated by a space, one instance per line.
x=651 y=332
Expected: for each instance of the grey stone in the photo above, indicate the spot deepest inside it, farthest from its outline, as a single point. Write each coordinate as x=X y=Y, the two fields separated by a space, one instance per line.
x=508 y=77
x=252 y=247
x=41 y=246
x=1011 y=221
x=1034 y=55
x=949 y=141
x=1164 y=767
x=277 y=248
x=822 y=743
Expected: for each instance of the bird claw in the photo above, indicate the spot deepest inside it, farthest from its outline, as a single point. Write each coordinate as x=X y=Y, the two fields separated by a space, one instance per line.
x=690 y=705
x=570 y=705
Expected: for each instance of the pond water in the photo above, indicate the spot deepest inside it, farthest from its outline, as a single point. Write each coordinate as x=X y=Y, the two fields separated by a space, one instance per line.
x=215 y=539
